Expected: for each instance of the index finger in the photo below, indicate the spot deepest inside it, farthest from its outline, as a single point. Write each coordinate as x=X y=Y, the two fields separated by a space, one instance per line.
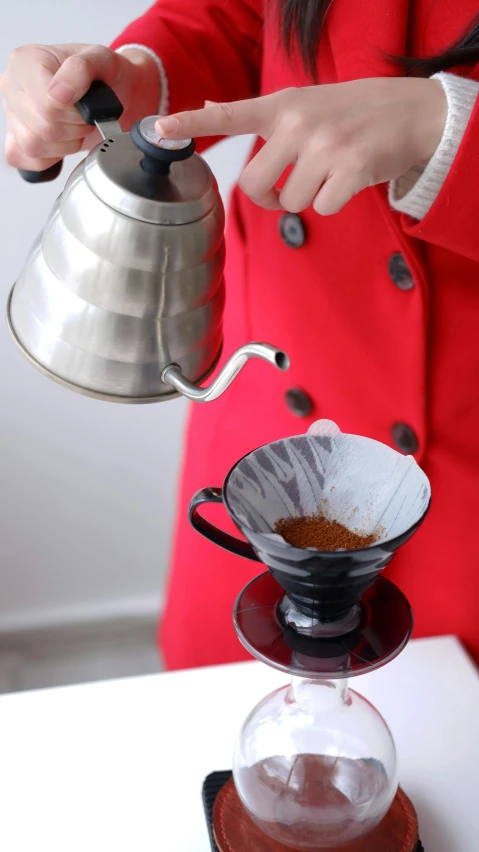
x=229 y=119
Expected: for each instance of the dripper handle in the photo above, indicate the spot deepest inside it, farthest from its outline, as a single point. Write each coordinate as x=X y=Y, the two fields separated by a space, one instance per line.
x=99 y=104
x=212 y=533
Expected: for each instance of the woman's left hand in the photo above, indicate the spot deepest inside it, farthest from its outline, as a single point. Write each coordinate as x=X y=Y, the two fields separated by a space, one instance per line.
x=339 y=138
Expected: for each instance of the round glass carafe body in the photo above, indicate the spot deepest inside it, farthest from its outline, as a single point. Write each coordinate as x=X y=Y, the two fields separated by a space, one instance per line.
x=315 y=765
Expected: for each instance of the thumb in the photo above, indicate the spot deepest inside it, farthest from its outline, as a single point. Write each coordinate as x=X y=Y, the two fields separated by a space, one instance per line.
x=80 y=69
x=230 y=119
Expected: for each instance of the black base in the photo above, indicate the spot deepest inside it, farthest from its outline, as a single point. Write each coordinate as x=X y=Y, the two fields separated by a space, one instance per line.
x=383 y=631
x=211 y=787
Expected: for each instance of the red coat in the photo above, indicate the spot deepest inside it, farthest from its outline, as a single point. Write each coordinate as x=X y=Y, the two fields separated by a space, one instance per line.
x=366 y=353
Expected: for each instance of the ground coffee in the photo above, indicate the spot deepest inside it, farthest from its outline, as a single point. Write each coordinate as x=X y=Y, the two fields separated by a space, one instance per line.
x=317 y=531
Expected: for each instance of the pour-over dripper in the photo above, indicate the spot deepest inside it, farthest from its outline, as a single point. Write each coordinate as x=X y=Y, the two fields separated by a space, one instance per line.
x=356 y=481
x=315 y=764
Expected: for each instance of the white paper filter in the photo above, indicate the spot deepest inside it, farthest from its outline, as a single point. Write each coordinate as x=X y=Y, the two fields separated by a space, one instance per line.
x=361 y=483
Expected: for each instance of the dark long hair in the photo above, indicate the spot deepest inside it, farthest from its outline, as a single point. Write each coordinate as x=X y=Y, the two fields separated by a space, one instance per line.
x=301 y=22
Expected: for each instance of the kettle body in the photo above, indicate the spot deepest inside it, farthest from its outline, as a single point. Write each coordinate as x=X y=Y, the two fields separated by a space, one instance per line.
x=122 y=294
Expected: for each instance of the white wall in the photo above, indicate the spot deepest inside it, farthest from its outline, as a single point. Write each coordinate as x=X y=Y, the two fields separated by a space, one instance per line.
x=87 y=487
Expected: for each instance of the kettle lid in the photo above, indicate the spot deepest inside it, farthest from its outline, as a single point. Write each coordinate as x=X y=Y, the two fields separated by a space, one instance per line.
x=152 y=179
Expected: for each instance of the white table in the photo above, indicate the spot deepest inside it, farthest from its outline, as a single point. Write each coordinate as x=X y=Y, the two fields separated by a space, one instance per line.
x=118 y=766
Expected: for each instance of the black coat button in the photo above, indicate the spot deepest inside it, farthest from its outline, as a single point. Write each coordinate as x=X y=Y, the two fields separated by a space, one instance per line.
x=400 y=272
x=298 y=402
x=292 y=230
x=405 y=439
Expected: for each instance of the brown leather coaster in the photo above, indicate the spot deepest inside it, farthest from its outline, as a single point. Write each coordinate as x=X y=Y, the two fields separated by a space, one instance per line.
x=234 y=831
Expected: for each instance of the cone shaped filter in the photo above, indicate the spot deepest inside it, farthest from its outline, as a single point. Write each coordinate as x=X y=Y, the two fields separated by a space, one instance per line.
x=361 y=483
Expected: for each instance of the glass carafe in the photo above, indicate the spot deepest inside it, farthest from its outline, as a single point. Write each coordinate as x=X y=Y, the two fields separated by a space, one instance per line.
x=315 y=765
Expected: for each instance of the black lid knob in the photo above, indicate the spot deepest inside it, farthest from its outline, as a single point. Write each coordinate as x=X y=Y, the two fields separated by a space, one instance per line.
x=159 y=153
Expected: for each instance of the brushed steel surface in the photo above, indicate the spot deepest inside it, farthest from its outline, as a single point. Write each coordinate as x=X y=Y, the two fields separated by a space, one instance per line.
x=126 y=279
x=170 y=393
x=108 y=128
x=114 y=173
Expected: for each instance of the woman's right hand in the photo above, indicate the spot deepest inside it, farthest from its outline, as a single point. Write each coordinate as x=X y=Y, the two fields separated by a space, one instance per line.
x=41 y=84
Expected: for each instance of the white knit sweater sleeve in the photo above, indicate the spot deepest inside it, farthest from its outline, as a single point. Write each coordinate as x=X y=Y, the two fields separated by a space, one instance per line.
x=164 y=105
x=415 y=191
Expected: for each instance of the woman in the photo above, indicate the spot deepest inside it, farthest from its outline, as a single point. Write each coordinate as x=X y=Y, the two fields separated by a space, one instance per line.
x=376 y=305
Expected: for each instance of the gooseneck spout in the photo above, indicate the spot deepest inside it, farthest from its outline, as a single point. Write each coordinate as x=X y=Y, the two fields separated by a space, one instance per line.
x=172 y=374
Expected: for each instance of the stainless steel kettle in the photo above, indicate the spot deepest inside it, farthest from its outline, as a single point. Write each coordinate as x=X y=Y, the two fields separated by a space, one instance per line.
x=122 y=295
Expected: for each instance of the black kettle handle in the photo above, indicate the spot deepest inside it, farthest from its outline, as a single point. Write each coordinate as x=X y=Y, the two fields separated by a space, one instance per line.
x=42 y=177
x=99 y=104
x=212 y=533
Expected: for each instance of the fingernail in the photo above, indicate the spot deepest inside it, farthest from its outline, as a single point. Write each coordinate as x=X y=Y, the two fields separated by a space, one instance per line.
x=167 y=126
x=210 y=104
x=62 y=93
